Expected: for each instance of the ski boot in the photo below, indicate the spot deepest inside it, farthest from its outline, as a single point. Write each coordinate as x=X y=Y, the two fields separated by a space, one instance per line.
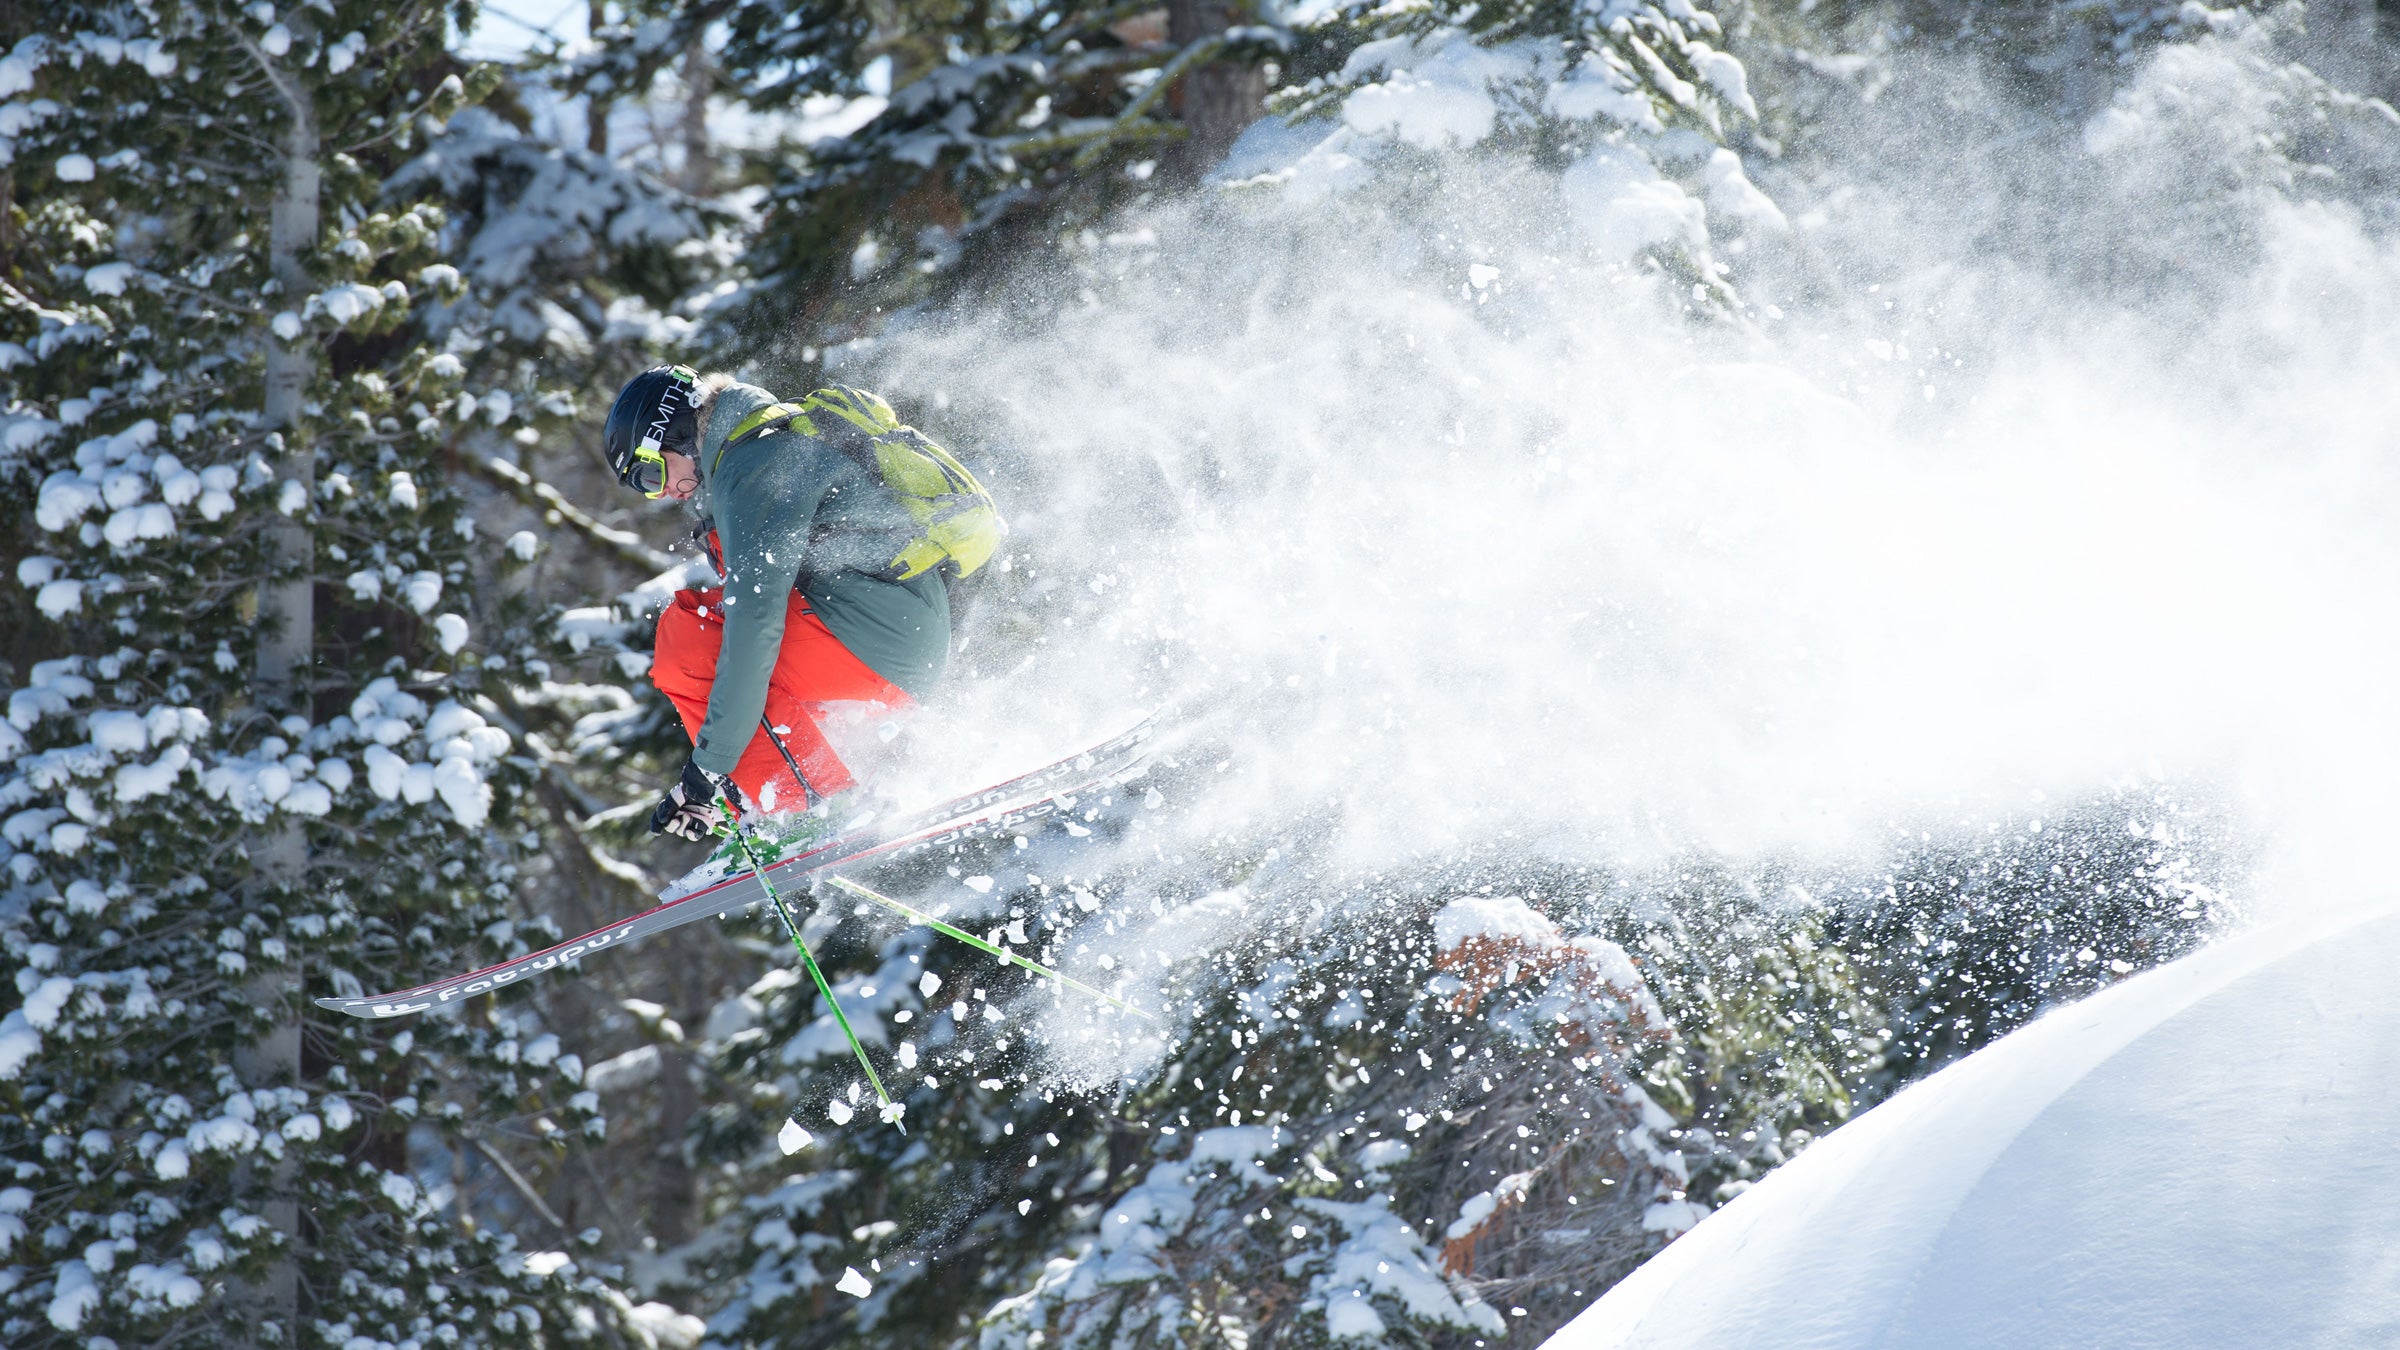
x=781 y=835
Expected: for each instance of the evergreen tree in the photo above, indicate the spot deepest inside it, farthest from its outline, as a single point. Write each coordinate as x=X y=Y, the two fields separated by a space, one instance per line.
x=1970 y=936
x=1640 y=67
x=577 y=269
x=1782 y=1036
x=1446 y=1129
x=255 y=762
x=939 y=139
x=2143 y=153
x=1416 y=1107
x=1639 y=111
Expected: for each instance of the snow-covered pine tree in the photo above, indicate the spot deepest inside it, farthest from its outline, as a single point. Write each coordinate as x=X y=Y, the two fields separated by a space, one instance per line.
x=1424 y=1089
x=2070 y=55
x=930 y=1220
x=1639 y=108
x=250 y=765
x=1022 y=1158
x=571 y=272
x=1640 y=66
x=2141 y=152
x=925 y=140
x=575 y=271
x=1806 y=994
x=572 y=268
x=1970 y=936
x=1783 y=1034
x=1411 y=1122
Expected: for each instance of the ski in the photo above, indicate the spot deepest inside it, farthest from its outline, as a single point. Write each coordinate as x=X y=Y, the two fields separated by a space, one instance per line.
x=1005 y=807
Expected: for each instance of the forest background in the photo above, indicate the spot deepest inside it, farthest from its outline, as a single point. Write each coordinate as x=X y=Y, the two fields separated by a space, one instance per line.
x=1353 y=377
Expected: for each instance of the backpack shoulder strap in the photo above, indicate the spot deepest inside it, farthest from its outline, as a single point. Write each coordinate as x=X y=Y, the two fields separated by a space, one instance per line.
x=773 y=417
x=852 y=408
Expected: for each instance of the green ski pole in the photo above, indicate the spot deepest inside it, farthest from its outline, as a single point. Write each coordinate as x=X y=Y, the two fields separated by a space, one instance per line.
x=741 y=836
x=979 y=944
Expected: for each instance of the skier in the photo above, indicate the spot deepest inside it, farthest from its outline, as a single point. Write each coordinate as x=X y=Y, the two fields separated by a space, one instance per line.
x=839 y=532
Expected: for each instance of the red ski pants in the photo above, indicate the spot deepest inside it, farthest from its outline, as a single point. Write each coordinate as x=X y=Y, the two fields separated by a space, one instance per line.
x=813 y=669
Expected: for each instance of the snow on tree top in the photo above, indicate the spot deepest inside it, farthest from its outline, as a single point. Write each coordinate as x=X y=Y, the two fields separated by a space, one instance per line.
x=1497 y=917
x=1487 y=942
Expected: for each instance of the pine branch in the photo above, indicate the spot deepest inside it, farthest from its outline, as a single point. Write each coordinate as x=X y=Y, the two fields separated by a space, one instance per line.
x=543 y=497
x=554 y=766
x=517 y=1180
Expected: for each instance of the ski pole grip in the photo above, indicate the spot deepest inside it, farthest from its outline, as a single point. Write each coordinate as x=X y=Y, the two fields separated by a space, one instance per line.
x=731 y=795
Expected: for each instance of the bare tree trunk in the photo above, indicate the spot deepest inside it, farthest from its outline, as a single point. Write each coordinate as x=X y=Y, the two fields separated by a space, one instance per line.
x=699 y=79
x=286 y=611
x=1217 y=99
x=674 y=1189
x=595 y=130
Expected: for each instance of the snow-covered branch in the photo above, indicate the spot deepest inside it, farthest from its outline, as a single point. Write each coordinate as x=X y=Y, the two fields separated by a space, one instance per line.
x=541 y=496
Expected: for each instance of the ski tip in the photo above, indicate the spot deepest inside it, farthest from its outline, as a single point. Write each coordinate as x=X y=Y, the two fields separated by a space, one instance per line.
x=371 y=1010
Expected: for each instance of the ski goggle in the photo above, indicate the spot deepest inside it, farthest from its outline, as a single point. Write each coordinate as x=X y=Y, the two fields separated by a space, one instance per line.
x=647 y=474
x=646 y=471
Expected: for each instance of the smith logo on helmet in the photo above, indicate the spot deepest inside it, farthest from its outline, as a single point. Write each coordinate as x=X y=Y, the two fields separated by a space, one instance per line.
x=957 y=525
x=673 y=398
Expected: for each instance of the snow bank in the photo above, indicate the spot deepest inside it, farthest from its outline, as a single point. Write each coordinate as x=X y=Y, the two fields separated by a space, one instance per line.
x=2199 y=1156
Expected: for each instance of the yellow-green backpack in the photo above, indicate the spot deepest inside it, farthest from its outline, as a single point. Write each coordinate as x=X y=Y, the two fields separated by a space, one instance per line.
x=958 y=526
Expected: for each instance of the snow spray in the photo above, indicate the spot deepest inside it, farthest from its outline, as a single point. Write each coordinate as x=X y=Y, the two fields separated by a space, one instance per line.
x=1442 y=520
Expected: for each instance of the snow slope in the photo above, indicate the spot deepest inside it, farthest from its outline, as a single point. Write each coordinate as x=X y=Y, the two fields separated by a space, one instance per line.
x=2205 y=1156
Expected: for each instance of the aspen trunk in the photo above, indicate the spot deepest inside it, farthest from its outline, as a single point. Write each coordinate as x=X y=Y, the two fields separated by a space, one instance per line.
x=286 y=611
x=699 y=78
x=597 y=105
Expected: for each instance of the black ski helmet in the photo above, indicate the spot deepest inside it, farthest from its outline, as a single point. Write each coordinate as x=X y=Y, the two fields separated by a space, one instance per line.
x=653 y=413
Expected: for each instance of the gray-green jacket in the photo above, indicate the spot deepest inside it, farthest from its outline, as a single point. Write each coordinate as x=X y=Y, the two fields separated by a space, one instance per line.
x=767 y=496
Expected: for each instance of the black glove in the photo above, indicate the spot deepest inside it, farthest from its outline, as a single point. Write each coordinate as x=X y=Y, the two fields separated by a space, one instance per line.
x=689 y=810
